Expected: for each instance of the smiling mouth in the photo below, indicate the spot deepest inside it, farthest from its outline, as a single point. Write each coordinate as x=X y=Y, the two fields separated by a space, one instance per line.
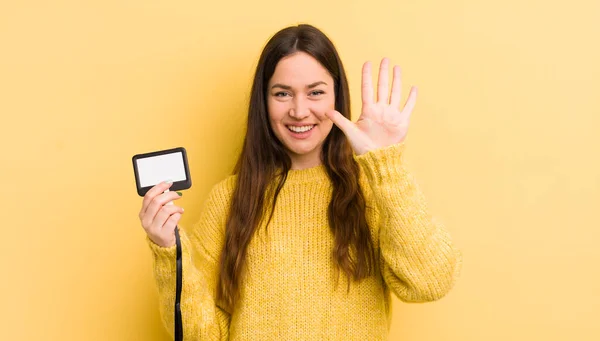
x=301 y=129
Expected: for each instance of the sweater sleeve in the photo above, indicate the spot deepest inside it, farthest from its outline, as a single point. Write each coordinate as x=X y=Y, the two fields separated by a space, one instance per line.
x=418 y=259
x=203 y=319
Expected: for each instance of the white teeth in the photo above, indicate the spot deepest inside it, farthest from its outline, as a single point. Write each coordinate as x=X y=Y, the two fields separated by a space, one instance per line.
x=300 y=129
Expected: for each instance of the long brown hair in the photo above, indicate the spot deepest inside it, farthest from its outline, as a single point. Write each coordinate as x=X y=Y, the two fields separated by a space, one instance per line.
x=264 y=160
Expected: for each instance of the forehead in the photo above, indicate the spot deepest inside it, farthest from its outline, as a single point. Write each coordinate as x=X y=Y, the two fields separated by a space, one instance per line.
x=300 y=69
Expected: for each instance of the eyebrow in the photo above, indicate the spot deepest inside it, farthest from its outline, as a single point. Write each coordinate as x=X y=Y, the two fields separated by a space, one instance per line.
x=287 y=87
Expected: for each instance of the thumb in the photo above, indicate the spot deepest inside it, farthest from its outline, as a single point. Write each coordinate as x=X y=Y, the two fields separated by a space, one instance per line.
x=341 y=122
x=358 y=140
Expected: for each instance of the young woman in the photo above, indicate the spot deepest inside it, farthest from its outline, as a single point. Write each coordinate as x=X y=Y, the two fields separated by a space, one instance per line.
x=320 y=220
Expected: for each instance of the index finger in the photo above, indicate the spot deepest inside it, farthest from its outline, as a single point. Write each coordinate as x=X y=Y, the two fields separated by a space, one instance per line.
x=383 y=83
x=367 y=84
x=154 y=191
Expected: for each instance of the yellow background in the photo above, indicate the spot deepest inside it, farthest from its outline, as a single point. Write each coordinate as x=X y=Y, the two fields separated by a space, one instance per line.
x=503 y=141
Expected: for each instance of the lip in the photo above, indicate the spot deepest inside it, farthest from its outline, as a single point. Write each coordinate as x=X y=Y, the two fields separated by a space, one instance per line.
x=300 y=125
x=303 y=135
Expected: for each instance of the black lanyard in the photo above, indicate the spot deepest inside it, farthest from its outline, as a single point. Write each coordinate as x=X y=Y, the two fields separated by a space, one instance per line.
x=178 y=323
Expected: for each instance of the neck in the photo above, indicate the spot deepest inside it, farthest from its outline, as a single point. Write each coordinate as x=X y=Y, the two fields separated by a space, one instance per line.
x=300 y=162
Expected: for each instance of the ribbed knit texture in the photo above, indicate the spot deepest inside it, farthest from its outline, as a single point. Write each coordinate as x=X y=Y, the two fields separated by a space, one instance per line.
x=291 y=289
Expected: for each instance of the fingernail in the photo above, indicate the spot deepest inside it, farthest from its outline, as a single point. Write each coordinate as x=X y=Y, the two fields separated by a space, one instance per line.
x=169 y=181
x=180 y=194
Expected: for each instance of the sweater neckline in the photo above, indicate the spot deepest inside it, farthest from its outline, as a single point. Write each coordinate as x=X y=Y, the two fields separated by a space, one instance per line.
x=312 y=174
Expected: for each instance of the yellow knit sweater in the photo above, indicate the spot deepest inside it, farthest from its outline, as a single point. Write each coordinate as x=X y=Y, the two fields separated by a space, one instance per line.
x=289 y=290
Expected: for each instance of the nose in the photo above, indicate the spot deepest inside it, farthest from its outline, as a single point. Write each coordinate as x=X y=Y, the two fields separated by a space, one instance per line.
x=299 y=109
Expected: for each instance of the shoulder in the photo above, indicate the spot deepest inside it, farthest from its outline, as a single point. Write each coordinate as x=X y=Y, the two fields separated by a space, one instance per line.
x=219 y=195
x=210 y=226
x=223 y=190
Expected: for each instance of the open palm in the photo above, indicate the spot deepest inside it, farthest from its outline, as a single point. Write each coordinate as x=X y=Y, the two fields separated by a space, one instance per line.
x=381 y=123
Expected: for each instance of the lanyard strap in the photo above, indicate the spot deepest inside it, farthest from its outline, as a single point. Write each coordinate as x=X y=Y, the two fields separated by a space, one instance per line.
x=178 y=322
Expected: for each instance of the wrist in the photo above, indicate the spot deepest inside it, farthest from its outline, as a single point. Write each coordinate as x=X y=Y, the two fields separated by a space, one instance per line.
x=160 y=243
x=384 y=164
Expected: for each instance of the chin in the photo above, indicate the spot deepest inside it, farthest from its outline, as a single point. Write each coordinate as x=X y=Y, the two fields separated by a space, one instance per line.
x=301 y=151
x=303 y=148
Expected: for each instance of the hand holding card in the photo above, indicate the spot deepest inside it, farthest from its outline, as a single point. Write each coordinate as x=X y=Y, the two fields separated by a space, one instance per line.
x=158 y=175
x=159 y=219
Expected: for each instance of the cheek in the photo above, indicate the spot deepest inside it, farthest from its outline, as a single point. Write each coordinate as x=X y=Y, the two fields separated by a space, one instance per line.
x=276 y=112
x=326 y=127
x=320 y=108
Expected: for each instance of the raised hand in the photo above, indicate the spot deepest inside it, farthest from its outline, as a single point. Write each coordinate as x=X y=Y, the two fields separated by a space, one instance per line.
x=381 y=123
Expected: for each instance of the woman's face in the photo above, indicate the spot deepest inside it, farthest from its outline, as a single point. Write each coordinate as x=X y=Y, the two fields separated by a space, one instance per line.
x=298 y=95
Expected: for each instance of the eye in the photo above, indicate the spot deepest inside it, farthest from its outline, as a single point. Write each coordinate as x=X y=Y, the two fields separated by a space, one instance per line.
x=281 y=94
x=317 y=92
